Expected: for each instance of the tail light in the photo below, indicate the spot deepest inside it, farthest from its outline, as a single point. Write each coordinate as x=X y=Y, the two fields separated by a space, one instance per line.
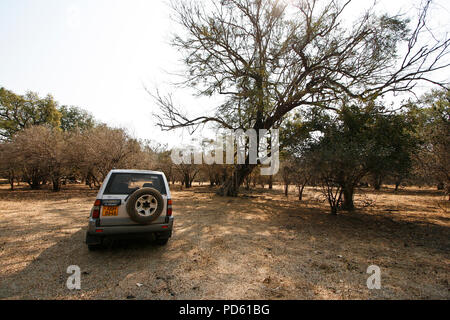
x=169 y=207
x=96 y=209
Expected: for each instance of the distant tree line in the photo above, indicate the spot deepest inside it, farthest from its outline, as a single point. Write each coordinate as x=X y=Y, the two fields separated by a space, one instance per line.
x=360 y=145
x=43 y=142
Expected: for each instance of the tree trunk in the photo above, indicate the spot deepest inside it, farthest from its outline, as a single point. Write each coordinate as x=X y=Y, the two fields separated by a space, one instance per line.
x=35 y=186
x=56 y=182
x=11 y=180
x=300 y=192
x=348 y=198
x=333 y=206
x=35 y=183
x=333 y=210
x=230 y=187
x=286 y=189
x=397 y=184
x=333 y=201
x=187 y=183
x=247 y=183
x=377 y=182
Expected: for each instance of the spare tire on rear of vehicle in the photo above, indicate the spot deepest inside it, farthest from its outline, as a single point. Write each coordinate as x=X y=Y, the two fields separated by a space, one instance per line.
x=145 y=205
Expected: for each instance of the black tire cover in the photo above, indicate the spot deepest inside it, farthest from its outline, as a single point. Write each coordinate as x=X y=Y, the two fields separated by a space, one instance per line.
x=131 y=208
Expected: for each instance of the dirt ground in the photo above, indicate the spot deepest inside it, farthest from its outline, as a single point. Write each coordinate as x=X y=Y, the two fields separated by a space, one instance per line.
x=258 y=246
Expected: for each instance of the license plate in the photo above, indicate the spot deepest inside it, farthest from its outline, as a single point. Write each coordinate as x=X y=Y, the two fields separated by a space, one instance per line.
x=110 y=211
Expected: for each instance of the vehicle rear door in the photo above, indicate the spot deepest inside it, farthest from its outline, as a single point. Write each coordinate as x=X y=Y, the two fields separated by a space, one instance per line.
x=117 y=193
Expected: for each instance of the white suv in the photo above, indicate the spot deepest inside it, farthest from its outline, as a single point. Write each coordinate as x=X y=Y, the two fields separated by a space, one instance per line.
x=131 y=202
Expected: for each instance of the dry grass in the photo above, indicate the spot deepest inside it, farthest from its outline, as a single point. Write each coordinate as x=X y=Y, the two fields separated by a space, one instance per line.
x=259 y=247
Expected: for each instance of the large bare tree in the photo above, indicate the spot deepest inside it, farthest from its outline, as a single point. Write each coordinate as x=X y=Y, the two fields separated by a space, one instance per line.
x=269 y=57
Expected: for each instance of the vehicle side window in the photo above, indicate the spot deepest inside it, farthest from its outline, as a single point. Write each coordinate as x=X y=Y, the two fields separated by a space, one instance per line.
x=127 y=183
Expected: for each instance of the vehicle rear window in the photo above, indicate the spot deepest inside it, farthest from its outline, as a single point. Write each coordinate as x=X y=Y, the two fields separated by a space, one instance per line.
x=127 y=183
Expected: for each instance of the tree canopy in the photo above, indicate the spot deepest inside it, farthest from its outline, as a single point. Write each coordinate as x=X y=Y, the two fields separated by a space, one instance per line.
x=341 y=150
x=19 y=111
x=74 y=117
x=267 y=58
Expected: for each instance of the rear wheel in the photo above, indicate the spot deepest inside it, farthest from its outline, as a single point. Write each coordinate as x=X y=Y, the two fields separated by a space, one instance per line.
x=93 y=242
x=94 y=247
x=163 y=237
x=162 y=242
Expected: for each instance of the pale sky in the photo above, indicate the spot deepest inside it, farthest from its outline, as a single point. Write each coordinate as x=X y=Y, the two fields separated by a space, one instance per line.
x=98 y=54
